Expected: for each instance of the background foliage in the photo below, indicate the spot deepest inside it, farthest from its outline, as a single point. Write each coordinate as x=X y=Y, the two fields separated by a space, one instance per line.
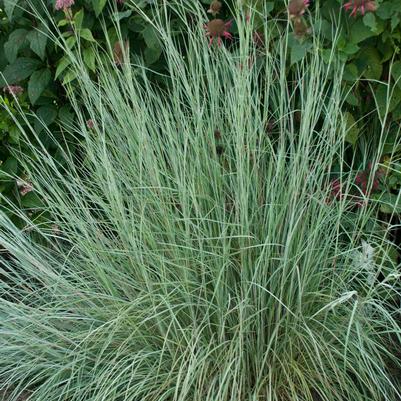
x=368 y=45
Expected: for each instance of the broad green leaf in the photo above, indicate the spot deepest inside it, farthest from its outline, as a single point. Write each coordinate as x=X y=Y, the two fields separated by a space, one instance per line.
x=350 y=72
x=38 y=42
x=151 y=37
x=390 y=203
x=71 y=41
x=352 y=129
x=9 y=6
x=360 y=32
x=369 y=20
x=350 y=48
x=86 y=34
x=386 y=11
x=269 y=6
x=45 y=116
x=395 y=21
x=396 y=73
x=325 y=28
x=89 y=58
x=63 y=22
x=69 y=77
x=121 y=15
x=66 y=116
x=8 y=172
x=14 y=135
x=327 y=55
x=395 y=98
x=62 y=65
x=113 y=35
x=9 y=167
x=98 y=6
x=152 y=55
x=3 y=58
x=396 y=114
x=391 y=144
x=21 y=69
x=369 y=63
x=352 y=99
x=387 y=51
x=38 y=83
x=31 y=201
x=299 y=51
x=387 y=100
x=136 y=24
x=16 y=41
x=78 y=18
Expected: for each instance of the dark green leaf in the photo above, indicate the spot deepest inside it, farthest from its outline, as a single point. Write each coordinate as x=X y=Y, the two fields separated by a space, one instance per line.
x=387 y=100
x=121 y=15
x=45 y=116
x=350 y=72
x=98 y=6
x=14 y=134
x=38 y=41
x=16 y=41
x=360 y=32
x=86 y=34
x=350 y=48
x=152 y=55
x=299 y=51
x=78 y=18
x=151 y=37
x=62 y=65
x=395 y=21
x=89 y=58
x=22 y=68
x=352 y=129
x=31 y=201
x=69 y=77
x=66 y=116
x=369 y=63
x=9 y=6
x=352 y=99
x=38 y=83
x=396 y=73
x=136 y=24
x=10 y=166
x=390 y=203
x=369 y=20
x=71 y=41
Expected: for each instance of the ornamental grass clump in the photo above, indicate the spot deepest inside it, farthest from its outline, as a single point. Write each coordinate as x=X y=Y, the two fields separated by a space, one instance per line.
x=189 y=252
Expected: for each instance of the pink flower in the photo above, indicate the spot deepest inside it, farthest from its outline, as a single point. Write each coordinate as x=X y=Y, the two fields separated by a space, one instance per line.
x=24 y=187
x=336 y=189
x=362 y=6
x=297 y=8
x=64 y=4
x=217 y=28
x=215 y=7
x=363 y=177
x=90 y=124
x=300 y=28
x=14 y=90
